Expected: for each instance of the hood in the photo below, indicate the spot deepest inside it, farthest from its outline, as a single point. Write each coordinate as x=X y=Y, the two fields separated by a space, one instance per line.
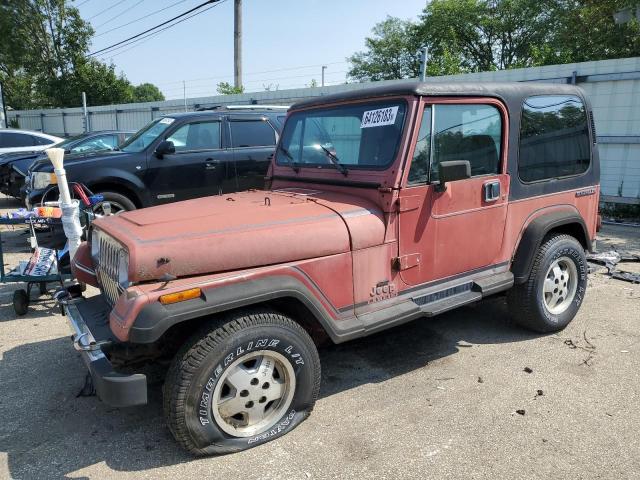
x=242 y=230
x=8 y=158
x=43 y=164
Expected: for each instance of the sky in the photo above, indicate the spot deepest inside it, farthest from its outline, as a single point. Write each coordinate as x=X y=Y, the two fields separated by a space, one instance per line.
x=285 y=42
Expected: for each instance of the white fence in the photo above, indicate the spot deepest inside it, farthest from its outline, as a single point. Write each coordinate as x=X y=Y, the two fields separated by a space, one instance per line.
x=612 y=85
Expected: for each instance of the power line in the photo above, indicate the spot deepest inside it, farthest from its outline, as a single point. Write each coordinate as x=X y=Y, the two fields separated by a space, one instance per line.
x=106 y=9
x=155 y=27
x=137 y=42
x=81 y=3
x=253 y=73
x=138 y=19
x=258 y=81
x=120 y=14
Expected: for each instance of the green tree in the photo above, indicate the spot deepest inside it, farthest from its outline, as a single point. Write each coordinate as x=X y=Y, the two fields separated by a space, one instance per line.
x=484 y=35
x=392 y=52
x=43 y=58
x=225 y=88
x=487 y=35
x=586 y=31
x=147 y=92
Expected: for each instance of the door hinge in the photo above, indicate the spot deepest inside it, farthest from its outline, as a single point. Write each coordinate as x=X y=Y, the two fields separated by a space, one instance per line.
x=405 y=262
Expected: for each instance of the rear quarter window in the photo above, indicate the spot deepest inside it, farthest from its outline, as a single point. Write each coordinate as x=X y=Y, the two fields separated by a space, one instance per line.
x=554 y=138
x=251 y=134
x=14 y=139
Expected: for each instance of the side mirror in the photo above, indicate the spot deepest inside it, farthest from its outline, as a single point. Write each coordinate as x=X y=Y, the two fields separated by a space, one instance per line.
x=166 y=148
x=451 y=171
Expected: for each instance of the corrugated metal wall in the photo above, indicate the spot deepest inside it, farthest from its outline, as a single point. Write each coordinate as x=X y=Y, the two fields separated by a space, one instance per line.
x=612 y=85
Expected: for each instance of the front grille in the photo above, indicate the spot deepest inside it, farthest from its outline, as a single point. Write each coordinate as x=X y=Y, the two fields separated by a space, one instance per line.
x=107 y=268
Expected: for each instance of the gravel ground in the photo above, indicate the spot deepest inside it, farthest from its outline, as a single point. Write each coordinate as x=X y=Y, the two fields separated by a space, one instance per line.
x=436 y=398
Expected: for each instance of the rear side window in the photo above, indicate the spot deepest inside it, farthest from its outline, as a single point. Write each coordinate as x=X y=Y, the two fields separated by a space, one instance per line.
x=251 y=134
x=13 y=140
x=554 y=138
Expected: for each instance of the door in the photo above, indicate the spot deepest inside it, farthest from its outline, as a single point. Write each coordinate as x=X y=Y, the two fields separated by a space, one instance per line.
x=186 y=173
x=458 y=229
x=253 y=140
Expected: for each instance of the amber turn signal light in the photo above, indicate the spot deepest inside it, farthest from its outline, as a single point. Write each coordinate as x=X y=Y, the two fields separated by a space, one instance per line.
x=170 y=298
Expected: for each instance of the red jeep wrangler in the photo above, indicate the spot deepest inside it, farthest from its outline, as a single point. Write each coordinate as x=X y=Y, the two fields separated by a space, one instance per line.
x=386 y=205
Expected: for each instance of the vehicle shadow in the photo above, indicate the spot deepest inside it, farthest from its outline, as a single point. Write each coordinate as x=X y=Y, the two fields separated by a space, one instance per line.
x=48 y=432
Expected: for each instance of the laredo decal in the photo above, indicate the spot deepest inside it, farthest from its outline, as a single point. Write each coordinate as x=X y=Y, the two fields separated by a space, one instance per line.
x=587 y=192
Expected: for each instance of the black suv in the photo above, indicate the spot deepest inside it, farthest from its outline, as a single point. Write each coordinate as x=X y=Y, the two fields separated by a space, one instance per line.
x=175 y=157
x=13 y=166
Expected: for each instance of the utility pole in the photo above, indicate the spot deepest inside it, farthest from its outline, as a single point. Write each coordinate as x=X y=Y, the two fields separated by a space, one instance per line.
x=237 y=43
x=4 y=121
x=184 y=94
x=85 y=114
x=423 y=63
x=324 y=67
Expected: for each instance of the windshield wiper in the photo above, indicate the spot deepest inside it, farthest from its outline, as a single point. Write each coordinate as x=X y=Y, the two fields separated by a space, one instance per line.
x=294 y=165
x=335 y=160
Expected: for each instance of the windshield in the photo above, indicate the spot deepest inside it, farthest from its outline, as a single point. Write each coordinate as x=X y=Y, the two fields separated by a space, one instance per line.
x=69 y=142
x=365 y=135
x=143 y=138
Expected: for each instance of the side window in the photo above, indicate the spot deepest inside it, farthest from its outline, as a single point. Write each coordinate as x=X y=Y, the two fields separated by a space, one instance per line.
x=42 y=141
x=251 y=134
x=12 y=140
x=554 y=138
x=196 y=136
x=467 y=132
x=419 y=170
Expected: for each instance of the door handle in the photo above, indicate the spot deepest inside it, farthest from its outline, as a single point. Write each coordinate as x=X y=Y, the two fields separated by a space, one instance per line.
x=211 y=164
x=491 y=191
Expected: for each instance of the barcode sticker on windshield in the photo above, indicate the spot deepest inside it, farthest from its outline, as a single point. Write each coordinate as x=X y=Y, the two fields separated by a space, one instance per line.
x=379 y=117
x=167 y=120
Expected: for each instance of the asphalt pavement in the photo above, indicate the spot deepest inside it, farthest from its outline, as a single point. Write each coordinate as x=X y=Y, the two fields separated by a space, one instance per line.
x=462 y=395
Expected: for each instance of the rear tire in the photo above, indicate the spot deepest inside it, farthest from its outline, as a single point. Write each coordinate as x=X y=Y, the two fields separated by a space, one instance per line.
x=119 y=203
x=552 y=294
x=245 y=383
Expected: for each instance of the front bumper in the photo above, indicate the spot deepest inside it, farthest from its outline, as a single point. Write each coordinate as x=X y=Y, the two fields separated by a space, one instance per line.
x=34 y=197
x=89 y=320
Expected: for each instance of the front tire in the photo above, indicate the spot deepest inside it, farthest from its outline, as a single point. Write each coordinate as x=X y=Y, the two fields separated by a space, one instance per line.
x=549 y=299
x=119 y=203
x=245 y=383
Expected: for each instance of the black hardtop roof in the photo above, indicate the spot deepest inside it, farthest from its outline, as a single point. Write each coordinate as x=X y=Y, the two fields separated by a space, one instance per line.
x=507 y=91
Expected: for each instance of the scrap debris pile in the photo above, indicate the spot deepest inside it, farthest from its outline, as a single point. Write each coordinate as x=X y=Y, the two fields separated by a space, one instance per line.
x=611 y=259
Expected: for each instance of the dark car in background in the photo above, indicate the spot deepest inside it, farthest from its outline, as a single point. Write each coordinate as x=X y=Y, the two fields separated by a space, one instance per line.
x=14 y=166
x=175 y=157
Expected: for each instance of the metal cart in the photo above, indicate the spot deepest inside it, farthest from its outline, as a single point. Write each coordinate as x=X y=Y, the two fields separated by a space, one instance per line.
x=22 y=297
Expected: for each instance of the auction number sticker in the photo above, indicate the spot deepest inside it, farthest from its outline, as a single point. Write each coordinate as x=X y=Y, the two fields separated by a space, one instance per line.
x=167 y=120
x=379 y=117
